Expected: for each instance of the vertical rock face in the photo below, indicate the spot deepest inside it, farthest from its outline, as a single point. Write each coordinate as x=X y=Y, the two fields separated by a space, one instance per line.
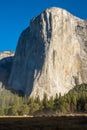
x=51 y=56
x=6 y=59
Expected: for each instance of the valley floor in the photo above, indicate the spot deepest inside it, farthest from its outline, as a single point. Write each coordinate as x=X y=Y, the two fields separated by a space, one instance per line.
x=64 y=122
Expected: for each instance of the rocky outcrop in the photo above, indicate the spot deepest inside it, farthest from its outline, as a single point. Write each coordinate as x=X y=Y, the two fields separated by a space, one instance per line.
x=6 y=54
x=51 y=56
x=6 y=59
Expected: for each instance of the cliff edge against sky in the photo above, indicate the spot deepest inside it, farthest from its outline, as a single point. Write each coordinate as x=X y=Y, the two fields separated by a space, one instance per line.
x=51 y=55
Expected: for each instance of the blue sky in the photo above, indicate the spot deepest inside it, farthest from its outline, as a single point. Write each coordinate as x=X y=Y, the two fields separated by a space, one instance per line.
x=16 y=14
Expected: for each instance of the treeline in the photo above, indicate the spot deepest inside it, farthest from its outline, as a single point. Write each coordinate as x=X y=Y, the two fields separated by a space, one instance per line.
x=73 y=102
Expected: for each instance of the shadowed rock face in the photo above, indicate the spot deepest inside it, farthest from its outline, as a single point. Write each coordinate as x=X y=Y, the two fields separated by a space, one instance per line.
x=6 y=60
x=51 y=56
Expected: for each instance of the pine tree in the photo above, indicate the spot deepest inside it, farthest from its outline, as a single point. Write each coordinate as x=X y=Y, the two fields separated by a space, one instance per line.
x=45 y=101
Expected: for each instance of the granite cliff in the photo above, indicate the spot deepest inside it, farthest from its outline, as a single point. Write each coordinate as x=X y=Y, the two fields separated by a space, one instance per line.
x=6 y=60
x=51 y=55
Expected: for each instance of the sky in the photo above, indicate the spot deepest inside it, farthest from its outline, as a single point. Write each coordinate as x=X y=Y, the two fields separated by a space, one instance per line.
x=16 y=14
